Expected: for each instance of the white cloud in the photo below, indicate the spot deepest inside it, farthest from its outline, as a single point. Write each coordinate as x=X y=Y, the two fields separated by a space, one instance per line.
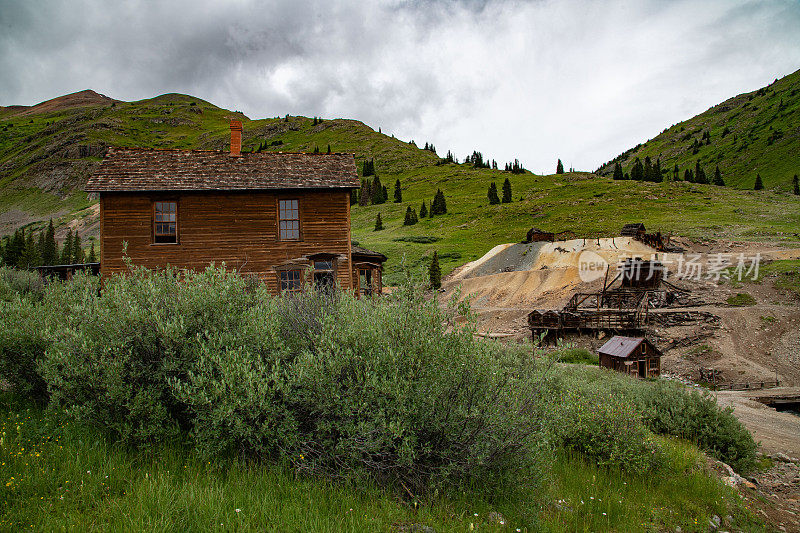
x=538 y=80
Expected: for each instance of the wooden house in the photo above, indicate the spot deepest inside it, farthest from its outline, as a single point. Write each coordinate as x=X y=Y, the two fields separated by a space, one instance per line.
x=636 y=356
x=283 y=217
x=367 y=271
x=635 y=229
x=538 y=235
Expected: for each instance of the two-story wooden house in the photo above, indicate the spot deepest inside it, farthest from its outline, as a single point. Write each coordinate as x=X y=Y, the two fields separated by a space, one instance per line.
x=284 y=217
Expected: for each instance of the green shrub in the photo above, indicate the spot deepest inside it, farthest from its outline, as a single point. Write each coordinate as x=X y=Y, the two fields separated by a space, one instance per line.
x=667 y=408
x=22 y=282
x=607 y=430
x=419 y=239
x=670 y=410
x=111 y=364
x=741 y=299
x=577 y=356
x=23 y=343
x=383 y=388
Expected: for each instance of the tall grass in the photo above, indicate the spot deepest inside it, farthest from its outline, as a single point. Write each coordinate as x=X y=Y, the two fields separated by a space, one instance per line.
x=59 y=475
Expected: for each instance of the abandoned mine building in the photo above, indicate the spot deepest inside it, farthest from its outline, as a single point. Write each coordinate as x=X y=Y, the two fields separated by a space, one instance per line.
x=636 y=356
x=282 y=217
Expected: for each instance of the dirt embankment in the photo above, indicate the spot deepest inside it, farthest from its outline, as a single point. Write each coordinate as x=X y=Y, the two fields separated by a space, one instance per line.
x=751 y=343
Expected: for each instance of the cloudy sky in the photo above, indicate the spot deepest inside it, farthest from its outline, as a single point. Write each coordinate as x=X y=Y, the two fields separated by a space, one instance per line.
x=577 y=79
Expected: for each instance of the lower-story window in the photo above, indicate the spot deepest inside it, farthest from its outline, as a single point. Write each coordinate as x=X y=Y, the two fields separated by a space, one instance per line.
x=291 y=280
x=365 y=281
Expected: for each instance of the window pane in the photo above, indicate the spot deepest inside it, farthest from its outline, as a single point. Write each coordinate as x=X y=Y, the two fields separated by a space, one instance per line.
x=291 y=280
x=165 y=222
x=323 y=265
x=289 y=219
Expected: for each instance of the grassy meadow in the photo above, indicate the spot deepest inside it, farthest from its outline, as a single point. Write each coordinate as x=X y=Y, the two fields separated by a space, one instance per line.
x=59 y=475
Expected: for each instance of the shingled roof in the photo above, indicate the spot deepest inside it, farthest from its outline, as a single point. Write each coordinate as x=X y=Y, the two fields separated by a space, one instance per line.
x=135 y=169
x=363 y=252
x=619 y=346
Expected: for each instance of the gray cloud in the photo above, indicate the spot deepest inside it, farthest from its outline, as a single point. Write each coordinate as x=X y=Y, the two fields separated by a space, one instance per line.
x=537 y=80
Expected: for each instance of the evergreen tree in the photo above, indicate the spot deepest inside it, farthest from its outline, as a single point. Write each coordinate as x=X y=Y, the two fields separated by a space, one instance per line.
x=368 y=168
x=385 y=194
x=92 y=255
x=688 y=175
x=30 y=255
x=435 y=272
x=353 y=196
x=40 y=244
x=423 y=211
x=439 y=204
x=365 y=193
x=648 y=169
x=14 y=249
x=398 y=192
x=618 y=171
x=378 y=223
x=718 y=177
x=658 y=176
x=699 y=173
x=507 y=192
x=796 y=185
x=492 y=194
x=377 y=191
x=50 y=249
x=559 y=167
x=66 y=252
x=676 y=173
x=637 y=171
x=77 y=249
x=759 y=185
x=329 y=147
x=411 y=217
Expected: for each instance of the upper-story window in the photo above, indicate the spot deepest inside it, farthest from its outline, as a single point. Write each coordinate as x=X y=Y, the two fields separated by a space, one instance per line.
x=165 y=222
x=289 y=220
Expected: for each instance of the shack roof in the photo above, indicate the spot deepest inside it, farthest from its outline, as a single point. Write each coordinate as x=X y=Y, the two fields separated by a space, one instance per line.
x=136 y=169
x=363 y=252
x=619 y=346
x=632 y=228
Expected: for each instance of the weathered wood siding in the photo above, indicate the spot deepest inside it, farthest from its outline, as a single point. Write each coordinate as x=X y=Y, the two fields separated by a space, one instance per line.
x=237 y=228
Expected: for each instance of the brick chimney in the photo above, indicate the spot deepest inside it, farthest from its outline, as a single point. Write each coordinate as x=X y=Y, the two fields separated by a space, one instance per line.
x=236 y=138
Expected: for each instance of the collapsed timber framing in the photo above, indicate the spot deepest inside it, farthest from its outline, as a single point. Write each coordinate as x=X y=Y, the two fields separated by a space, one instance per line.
x=621 y=310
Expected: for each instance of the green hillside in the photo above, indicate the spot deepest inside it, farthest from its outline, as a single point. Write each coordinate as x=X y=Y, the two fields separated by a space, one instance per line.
x=47 y=153
x=753 y=133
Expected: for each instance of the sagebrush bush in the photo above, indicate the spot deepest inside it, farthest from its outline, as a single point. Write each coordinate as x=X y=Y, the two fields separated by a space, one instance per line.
x=20 y=282
x=23 y=341
x=577 y=356
x=111 y=363
x=605 y=429
x=668 y=408
x=387 y=388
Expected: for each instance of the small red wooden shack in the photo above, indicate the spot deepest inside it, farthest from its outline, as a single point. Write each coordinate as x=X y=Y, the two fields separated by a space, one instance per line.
x=283 y=217
x=636 y=356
